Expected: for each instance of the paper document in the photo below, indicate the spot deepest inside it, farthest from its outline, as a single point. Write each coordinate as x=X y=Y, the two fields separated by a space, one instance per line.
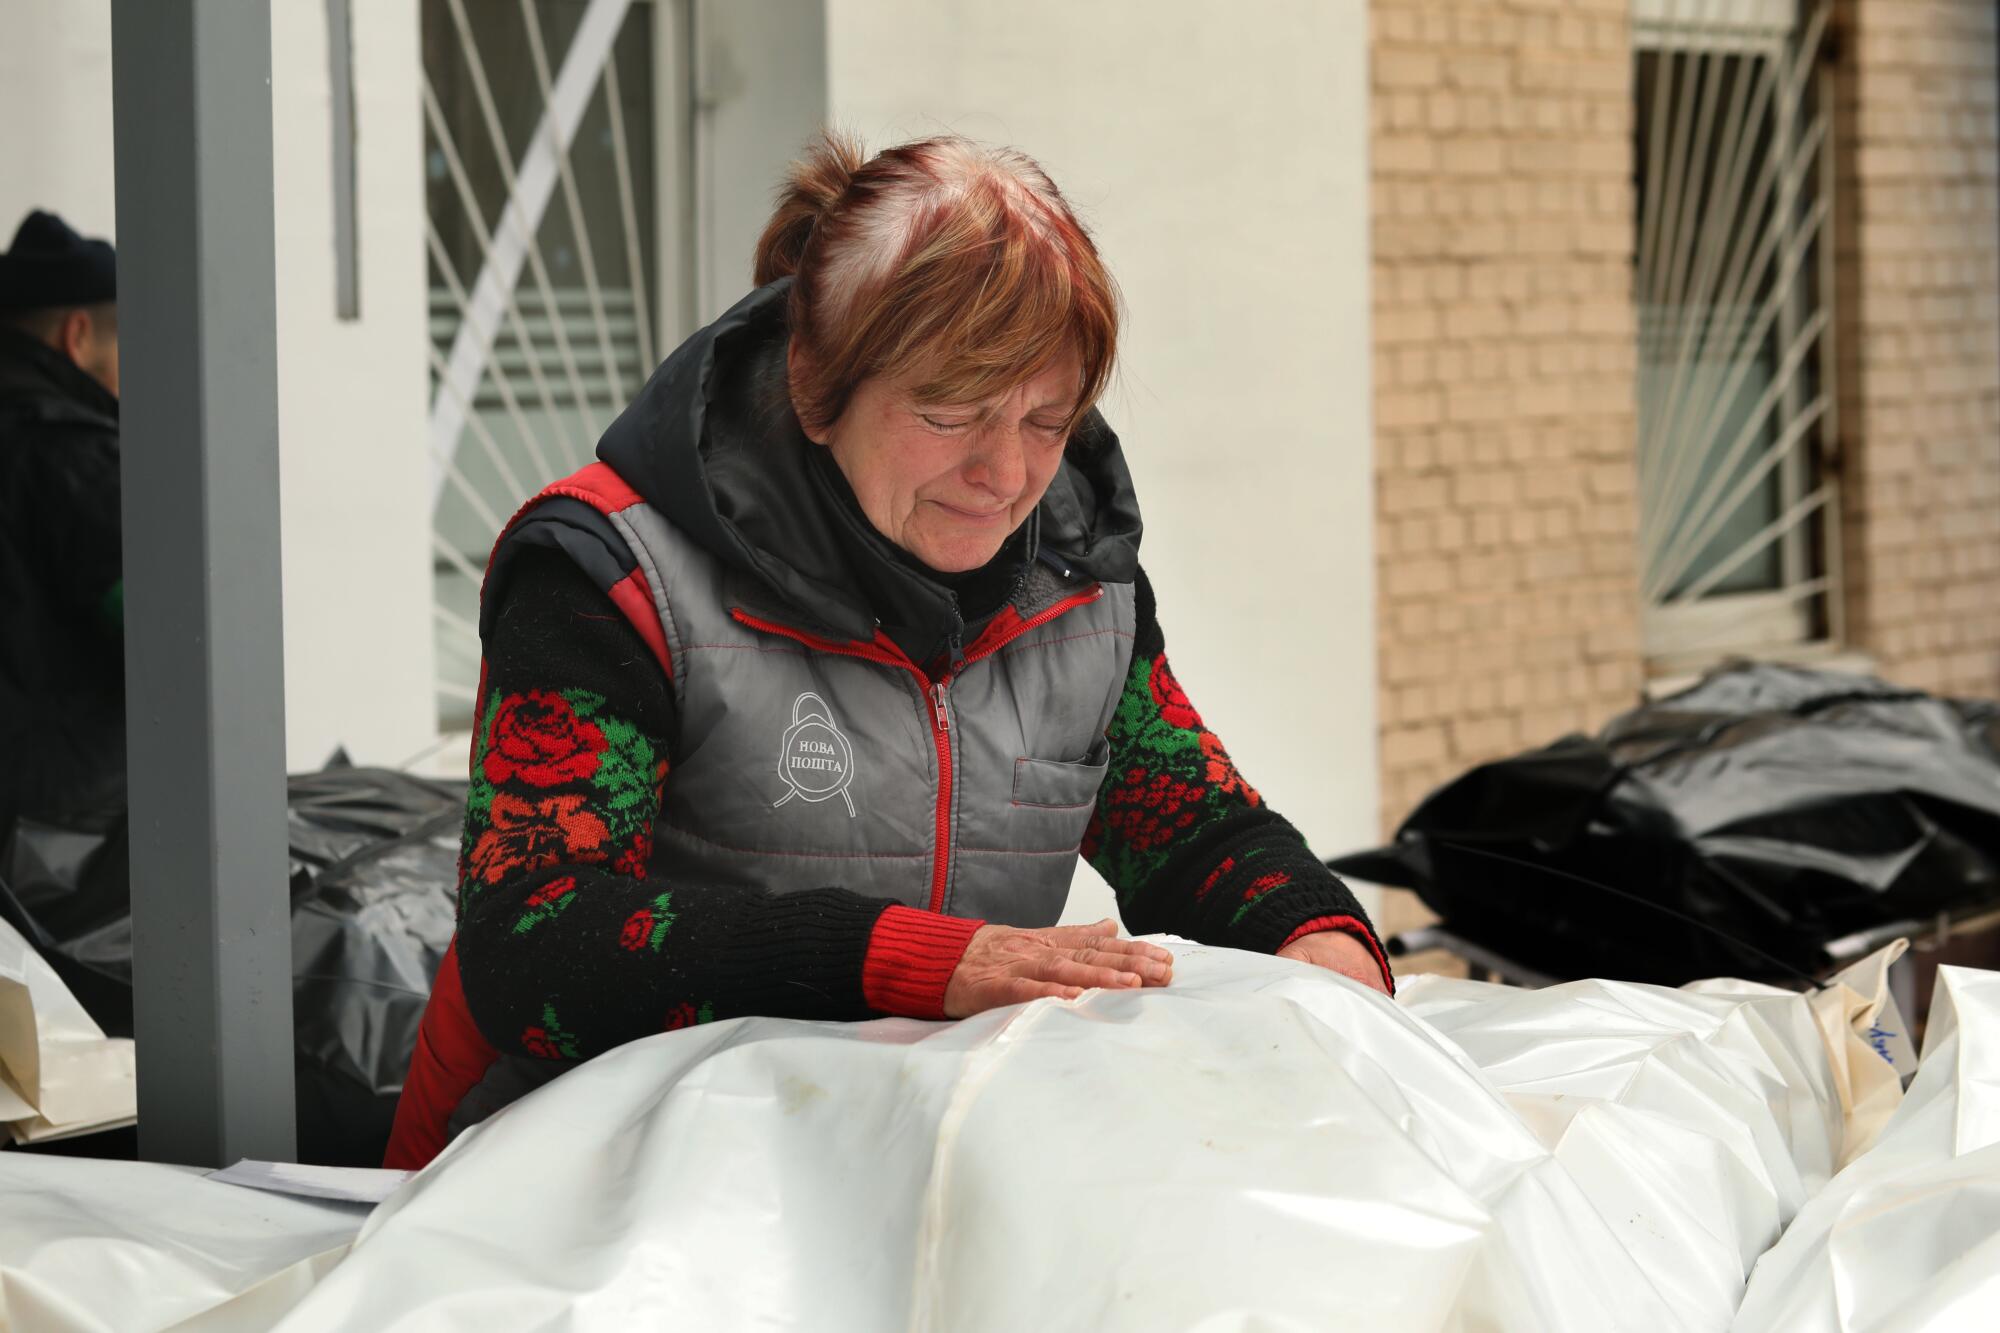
x=59 y=1074
x=343 y=1184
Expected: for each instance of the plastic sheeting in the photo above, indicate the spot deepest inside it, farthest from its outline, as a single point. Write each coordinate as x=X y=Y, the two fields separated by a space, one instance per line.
x=1907 y=1238
x=1260 y=1146
x=373 y=857
x=1697 y=1122
x=129 y=1247
x=373 y=907
x=1780 y=807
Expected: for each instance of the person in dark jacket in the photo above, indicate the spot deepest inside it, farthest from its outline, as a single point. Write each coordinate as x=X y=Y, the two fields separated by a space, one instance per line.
x=807 y=697
x=62 y=664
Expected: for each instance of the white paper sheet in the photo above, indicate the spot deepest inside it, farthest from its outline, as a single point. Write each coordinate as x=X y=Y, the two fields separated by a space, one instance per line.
x=339 y=1184
x=56 y=1061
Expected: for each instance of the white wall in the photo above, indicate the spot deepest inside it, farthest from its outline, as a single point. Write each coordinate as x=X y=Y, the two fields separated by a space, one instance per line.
x=1219 y=154
x=352 y=396
x=55 y=113
x=759 y=92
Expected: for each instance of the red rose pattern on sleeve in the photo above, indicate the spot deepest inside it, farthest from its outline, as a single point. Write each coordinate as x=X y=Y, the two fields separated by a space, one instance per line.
x=1188 y=845
x=558 y=781
x=647 y=928
x=546 y=1040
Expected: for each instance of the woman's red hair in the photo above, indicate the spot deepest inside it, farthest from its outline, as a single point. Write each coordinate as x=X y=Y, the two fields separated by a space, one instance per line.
x=956 y=266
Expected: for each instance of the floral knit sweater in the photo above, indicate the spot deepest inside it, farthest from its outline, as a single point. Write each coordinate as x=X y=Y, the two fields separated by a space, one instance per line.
x=572 y=940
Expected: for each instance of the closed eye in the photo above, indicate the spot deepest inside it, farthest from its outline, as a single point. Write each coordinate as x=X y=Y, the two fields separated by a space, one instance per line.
x=947 y=425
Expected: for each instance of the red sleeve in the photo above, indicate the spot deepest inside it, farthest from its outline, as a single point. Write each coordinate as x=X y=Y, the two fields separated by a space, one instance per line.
x=911 y=957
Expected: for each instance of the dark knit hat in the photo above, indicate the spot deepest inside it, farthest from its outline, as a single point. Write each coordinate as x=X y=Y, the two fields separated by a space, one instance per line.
x=50 y=265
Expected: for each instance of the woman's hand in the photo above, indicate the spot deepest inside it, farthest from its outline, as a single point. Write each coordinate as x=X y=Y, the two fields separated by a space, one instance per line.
x=1337 y=951
x=1003 y=965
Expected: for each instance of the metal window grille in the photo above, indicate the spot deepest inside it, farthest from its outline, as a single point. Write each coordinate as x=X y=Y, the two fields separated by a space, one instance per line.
x=1738 y=508
x=542 y=230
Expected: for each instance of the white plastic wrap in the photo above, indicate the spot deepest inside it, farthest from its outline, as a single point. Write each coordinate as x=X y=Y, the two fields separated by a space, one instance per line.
x=1699 y=1121
x=1907 y=1238
x=131 y=1247
x=1696 y=1125
x=1262 y=1145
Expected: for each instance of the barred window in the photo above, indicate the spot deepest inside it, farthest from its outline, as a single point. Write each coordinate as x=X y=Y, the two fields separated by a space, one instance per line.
x=1738 y=508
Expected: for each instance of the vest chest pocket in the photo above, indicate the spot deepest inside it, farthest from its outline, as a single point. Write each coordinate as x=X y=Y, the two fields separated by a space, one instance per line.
x=1053 y=784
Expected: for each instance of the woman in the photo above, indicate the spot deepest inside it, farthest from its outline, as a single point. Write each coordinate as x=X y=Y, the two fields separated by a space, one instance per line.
x=805 y=698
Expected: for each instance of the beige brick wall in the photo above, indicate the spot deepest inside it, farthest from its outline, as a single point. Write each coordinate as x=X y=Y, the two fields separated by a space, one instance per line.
x=1504 y=399
x=1504 y=341
x=1919 y=325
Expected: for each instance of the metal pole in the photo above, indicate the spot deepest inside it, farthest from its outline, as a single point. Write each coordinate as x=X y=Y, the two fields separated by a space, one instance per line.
x=204 y=656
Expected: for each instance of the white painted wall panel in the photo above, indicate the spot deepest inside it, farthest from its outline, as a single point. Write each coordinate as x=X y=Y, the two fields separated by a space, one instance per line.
x=55 y=113
x=352 y=396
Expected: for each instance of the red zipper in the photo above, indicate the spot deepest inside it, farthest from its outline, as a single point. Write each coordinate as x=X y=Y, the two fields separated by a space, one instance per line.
x=884 y=651
x=941 y=737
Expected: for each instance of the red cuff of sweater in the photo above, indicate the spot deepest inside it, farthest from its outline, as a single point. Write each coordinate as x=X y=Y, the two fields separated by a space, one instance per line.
x=1349 y=926
x=911 y=956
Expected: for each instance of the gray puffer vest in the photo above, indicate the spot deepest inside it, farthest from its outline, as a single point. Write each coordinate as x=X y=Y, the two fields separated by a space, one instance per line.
x=802 y=761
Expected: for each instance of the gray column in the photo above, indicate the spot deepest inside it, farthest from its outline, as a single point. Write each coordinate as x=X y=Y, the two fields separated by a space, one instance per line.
x=204 y=651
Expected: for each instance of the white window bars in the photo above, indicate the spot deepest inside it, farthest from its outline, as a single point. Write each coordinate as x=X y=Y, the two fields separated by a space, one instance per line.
x=532 y=366
x=1738 y=513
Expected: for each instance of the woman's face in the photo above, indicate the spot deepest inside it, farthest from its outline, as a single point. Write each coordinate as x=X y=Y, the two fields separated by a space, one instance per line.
x=949 y=483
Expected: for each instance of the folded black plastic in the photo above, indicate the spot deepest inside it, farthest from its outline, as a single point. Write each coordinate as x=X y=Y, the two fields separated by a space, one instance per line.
x=1780 y=807
x=373 y=856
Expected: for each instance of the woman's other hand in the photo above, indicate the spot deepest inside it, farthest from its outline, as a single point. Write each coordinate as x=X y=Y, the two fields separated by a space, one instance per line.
x=1337 y=951
x=1003 y=966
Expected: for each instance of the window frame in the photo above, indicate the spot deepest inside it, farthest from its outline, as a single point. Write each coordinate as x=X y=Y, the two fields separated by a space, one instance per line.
x=1779 y=623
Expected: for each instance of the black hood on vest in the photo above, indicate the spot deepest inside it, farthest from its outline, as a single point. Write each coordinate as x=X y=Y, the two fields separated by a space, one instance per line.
x=712 y=443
